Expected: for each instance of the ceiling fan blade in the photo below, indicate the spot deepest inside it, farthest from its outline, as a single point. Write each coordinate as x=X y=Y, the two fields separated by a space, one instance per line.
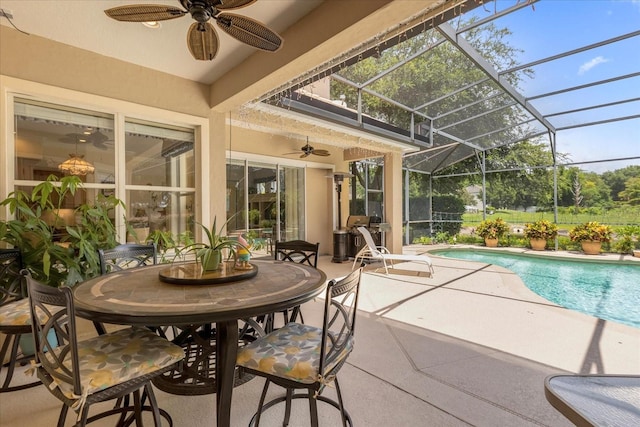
x=72 y=138
x=144 y=13
x=323 y=153
x=203 y=41
x=249 y=31
x=232 y=4
x=304 y=155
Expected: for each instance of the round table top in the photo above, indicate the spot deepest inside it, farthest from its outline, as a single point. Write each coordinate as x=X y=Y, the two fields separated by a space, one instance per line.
x=138 y=296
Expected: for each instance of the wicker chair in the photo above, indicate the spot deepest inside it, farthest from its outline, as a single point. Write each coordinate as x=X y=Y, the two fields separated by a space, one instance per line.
x=15 y=321
x=106 y=367
x=301 y=252
x=321 y=352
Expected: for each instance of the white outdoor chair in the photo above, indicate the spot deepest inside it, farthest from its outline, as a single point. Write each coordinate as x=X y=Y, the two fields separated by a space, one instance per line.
x=379 y=253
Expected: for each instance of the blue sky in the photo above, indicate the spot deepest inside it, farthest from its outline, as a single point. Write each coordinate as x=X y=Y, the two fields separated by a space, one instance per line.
x=551 y=27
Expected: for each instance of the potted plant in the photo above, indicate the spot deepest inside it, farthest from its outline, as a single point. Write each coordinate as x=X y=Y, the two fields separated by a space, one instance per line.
x=491 y=230
x=209 y=253
x=59 y=246
x=591 y=235
x=538 y=232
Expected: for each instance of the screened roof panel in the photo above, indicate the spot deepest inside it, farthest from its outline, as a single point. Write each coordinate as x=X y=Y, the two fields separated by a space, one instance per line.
x=503 y=72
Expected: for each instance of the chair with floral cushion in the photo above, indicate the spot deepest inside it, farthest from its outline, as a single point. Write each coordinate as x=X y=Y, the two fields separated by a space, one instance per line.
x=304 y=357
x=15 y=321
x=123 y=257
x=105 y=367
x=302 y=252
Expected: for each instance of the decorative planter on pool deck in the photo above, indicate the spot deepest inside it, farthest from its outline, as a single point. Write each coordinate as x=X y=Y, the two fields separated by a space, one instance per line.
x=591 y=247
x=491 y=243
x=538 y=244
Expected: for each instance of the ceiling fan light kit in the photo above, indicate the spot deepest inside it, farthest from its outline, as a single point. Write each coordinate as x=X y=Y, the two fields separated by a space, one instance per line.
x=202 y=39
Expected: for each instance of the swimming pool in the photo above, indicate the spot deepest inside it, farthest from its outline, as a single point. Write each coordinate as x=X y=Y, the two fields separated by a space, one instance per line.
x=609 y=291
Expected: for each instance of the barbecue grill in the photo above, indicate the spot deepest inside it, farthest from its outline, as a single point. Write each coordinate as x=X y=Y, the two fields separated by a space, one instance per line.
x=355 y=241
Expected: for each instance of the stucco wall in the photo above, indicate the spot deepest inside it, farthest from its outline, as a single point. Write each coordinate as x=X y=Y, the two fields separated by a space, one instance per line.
x=40 y=60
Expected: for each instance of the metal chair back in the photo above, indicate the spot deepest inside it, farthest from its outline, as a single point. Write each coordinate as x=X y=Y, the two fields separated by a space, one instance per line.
x=79 y=373
x=340 y=308
x=126 y=256
x=298 y=251
x=52 y=315
x=11 y=288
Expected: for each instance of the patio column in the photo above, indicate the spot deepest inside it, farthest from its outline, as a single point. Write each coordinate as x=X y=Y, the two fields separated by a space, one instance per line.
x=214 y=172
x=393 y=200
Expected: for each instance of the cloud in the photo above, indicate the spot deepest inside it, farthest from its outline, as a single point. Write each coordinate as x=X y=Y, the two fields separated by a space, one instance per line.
x=590 y=64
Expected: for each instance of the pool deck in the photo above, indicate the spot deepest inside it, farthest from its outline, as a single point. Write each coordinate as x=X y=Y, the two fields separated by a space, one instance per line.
x=470 y=346
x=494 y=307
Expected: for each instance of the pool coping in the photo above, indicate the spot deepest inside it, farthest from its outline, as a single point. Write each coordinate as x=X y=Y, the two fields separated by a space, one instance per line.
x=606 y=257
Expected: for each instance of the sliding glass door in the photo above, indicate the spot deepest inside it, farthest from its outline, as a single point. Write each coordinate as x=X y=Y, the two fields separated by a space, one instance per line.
x=265 y=201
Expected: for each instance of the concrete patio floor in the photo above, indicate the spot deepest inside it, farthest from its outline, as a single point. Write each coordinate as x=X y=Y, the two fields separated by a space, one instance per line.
x=470 y=346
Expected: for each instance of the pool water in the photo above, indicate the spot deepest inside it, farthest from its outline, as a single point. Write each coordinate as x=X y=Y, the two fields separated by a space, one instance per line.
x=609 y=291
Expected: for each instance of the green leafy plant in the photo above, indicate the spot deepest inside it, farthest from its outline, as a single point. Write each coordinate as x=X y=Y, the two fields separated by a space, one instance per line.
x=540 y=229
x=215 y=244
x=492 y=228
x=591 y=231
x=628 y=239
x=54 y=251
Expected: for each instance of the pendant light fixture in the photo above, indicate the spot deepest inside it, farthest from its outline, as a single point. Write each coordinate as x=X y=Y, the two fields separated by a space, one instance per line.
x=76 y=164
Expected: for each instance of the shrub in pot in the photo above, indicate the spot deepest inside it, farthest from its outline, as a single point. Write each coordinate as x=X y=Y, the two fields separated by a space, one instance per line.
x=591 y=235
x=538 y=232
x=491 y=230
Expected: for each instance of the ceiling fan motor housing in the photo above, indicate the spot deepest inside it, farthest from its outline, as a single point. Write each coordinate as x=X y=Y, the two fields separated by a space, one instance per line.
x=200 y=10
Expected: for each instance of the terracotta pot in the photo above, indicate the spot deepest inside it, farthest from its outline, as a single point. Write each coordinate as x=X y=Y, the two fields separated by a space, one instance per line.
x=490 y=243
x=636 y=253
x=538 y=244
x=590 y=247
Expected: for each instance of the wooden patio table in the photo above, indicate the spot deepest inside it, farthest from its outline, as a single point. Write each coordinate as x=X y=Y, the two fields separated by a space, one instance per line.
x=139 y=297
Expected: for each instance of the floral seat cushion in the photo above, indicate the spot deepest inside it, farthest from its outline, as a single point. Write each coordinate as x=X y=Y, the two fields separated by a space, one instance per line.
x=291 y=352
x=117 y=357
x=17 y=313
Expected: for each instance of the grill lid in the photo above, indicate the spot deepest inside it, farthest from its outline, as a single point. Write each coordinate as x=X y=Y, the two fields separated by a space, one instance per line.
x=358 y=221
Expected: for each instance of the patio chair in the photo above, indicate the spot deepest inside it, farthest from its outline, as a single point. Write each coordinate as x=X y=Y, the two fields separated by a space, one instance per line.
x=301 y=252
x=106 y=367
x=379 y=253
x=320 y=353
x=125 y=256
x=15 y=321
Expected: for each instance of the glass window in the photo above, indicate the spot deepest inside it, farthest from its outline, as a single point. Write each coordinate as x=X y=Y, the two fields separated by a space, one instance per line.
x=159 y=165
x=367 y=187
x=159 y=155
x=273 y=202
x=152 y=211
x=55 y=139
x=262 y=198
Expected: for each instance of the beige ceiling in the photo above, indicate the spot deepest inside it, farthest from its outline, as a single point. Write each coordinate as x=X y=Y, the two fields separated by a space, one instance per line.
x=83 y=24
x=314 y=32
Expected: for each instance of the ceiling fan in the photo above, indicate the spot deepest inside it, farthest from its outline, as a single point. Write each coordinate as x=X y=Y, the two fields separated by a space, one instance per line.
x=307 y=150
x=95 y=137
x=202 y=38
